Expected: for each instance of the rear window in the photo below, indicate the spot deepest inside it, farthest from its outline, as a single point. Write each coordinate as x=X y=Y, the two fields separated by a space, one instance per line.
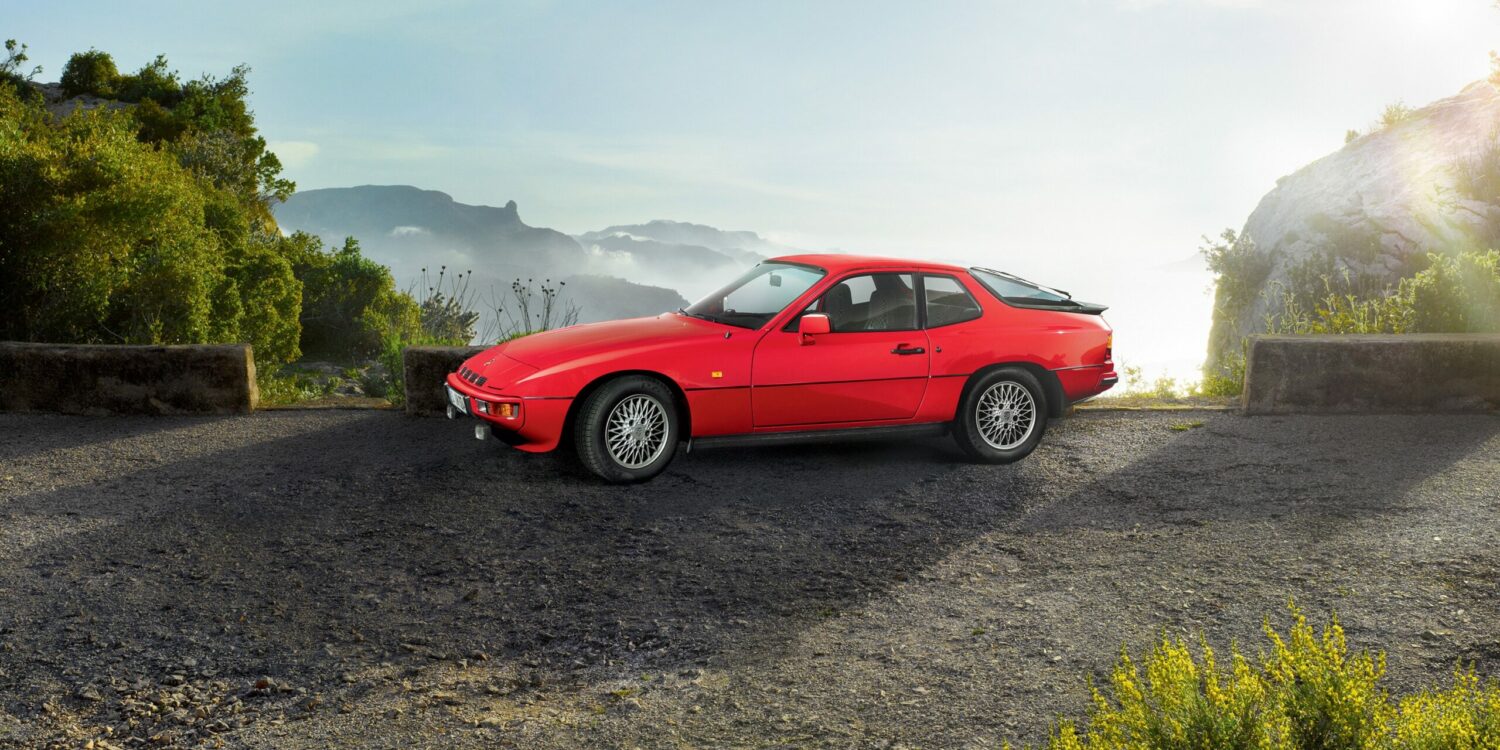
x=1008 y=287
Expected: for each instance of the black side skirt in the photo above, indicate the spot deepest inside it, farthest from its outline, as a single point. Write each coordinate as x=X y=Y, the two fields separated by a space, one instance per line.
x=820 y=436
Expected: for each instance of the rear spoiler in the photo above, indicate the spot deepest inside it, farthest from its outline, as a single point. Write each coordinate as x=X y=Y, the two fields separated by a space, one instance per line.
x=1067 y=305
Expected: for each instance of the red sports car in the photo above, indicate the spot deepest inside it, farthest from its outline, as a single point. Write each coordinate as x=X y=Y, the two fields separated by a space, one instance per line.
x=800 y=347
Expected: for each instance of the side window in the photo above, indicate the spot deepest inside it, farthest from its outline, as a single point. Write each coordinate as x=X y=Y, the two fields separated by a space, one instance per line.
x=871 y=302
x=947 y=301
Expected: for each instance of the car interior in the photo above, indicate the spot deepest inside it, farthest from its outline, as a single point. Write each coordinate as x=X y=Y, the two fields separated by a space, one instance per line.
x=887 y=302
x=872 y=302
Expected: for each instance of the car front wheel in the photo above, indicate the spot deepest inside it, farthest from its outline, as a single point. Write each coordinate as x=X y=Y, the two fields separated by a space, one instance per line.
x=626 y=430
x=1003 y=416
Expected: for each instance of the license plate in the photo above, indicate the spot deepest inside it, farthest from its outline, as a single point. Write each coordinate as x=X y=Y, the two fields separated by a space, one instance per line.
x=459 y=401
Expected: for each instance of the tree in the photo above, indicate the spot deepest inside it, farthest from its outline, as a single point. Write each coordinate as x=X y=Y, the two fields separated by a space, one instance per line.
x=10 y=71
x=91 y=73
x=106 y=239
x=350 y=303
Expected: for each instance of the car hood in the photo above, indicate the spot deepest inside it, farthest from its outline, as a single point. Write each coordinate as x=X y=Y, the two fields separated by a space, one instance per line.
x=548 y=349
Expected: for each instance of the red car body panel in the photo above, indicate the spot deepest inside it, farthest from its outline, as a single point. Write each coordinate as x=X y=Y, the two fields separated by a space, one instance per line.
x=735 y=380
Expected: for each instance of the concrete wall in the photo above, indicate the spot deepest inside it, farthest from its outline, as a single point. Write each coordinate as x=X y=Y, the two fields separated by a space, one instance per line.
x=1372 y=373
x=426 y=368
x=99 y=379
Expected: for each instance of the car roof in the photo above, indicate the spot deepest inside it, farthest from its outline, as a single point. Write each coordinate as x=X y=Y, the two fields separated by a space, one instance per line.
x=838 y=262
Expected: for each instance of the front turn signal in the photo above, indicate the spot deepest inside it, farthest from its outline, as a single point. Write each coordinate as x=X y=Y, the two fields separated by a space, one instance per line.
x=500 y=409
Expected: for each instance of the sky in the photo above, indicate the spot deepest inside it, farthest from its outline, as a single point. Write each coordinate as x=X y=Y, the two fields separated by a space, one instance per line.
x=1067 y=138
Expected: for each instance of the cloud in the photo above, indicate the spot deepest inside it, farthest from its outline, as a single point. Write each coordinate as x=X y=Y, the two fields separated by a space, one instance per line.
x=293 y=154
x=409 y=231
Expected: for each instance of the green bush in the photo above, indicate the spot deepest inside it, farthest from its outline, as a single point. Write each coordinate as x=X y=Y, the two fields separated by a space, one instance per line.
x=155 y=82
x=1394 y=113
x=109 y=239
x=1455 y=294
x=103 y=236
x=1306 y=692
x=1227 y=380
x=11 y=72
x=1240 y=271
x=1340 y=312
x=91 y=73
x=350 y=304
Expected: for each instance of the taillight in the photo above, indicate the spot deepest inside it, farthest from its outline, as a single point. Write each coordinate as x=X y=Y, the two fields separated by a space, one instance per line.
x=1109 y=347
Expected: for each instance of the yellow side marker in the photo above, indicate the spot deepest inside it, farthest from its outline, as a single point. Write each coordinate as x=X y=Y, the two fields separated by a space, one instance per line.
x=717 y=373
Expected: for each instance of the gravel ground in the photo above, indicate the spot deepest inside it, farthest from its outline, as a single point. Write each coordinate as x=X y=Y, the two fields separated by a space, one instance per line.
x=360 y=578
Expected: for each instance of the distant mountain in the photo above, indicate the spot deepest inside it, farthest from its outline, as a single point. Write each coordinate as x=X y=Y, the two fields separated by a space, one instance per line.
x=614 y=298
x=403 y=220
x=746 y=247
x=622 y=271
x=663 y=258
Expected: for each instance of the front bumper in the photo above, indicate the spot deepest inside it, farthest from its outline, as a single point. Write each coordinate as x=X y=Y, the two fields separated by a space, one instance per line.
x=536 y=424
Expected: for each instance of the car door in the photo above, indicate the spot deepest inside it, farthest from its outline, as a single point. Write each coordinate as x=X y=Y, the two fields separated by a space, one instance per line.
x=871 y=366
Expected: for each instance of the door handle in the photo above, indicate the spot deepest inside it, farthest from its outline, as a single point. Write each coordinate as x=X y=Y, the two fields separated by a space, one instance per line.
x=903 y=350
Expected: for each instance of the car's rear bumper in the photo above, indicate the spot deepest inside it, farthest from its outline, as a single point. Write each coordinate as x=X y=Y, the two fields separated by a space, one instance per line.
x=537 y=424
x=1080 y=383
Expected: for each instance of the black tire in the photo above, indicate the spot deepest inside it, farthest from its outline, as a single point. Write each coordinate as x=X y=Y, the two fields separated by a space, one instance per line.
x=1005 y=443
x=593 y=417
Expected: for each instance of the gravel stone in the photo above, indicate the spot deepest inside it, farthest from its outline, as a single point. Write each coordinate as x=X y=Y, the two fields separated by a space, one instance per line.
x=880 y=594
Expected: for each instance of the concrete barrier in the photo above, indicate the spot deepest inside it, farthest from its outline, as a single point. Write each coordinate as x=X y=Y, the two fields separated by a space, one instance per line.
x=1372 y=373
x=425 y=369
x=107 y=379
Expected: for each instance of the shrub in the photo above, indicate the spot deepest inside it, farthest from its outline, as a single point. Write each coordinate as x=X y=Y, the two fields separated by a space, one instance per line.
x=530 y=308
x=1226 y=380
x=155 y=82
x=1478 y=178
x=10 y=71
x=112 y=237
x=447 y=306
x=1455 y=294
x=1394 y=113
x=1341 y=312
x=1239 y=270
x=1308 y=691
x=103 y=237
x=349 y=302
x=91 y=73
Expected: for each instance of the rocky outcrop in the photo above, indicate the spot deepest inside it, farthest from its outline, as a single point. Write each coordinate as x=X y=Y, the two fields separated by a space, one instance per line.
x=1371 y=210
x=401 y=220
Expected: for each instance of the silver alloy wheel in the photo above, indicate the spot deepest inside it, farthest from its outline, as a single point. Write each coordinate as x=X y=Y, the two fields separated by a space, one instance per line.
x=636 y=431
x=1006 y=415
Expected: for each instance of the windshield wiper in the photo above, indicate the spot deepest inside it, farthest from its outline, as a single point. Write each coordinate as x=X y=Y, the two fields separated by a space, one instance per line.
x=700 y=316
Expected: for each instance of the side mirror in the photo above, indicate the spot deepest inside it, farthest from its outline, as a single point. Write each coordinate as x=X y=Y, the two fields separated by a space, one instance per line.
x=813 y=324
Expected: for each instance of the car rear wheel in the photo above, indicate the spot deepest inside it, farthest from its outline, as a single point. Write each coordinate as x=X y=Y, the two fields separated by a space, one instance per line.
x=1002 y=417
x=626 y=430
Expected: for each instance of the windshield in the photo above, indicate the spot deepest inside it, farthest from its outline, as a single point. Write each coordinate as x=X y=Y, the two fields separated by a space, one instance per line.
x=1006 y=287
x=756 y=296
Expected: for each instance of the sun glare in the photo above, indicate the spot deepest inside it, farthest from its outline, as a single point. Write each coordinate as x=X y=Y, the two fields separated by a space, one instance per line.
x=1427 y=14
